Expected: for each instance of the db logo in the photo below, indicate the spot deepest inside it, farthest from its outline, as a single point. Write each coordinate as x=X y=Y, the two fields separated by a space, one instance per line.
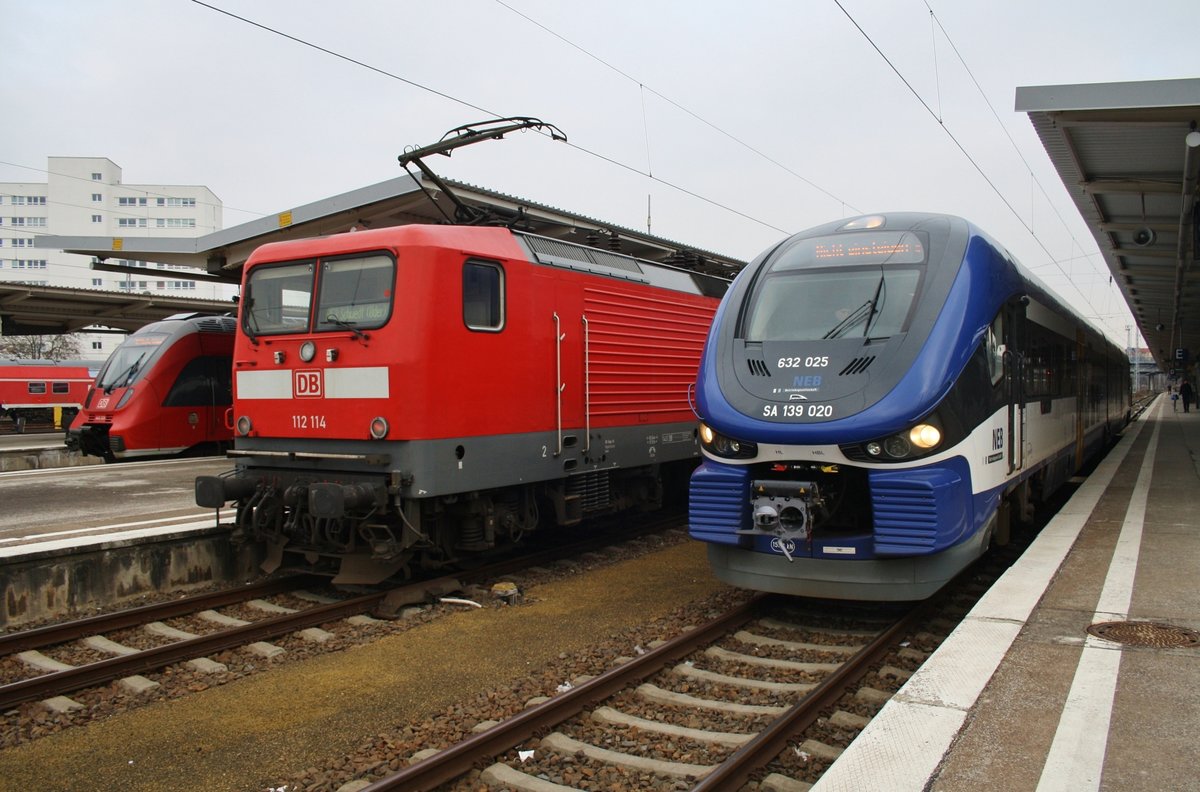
x=306 y=384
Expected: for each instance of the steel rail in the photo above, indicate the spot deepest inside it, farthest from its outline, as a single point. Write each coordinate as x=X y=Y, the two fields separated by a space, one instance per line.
x=119 y=620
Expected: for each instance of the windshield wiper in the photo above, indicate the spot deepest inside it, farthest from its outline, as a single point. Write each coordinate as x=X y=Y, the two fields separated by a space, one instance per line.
x=876 y=304
x=251 y=321
x=854 y=318
x=353 y=328
x=123 y=379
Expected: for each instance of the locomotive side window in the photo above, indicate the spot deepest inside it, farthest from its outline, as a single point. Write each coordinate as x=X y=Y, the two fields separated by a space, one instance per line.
x=277 y=299
x=37 y=388
x=60 y=387
x=356 y=292
x=483 y=296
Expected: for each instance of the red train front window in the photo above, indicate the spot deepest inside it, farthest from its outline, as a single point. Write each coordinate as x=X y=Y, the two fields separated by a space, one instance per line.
x=352 y=293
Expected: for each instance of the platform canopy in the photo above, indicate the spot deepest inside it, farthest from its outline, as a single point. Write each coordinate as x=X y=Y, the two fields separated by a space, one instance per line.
x=50 y=310
x=1129 y=154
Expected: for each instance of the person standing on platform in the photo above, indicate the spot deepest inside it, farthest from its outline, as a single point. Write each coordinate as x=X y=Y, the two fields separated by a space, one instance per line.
x=1186 y=394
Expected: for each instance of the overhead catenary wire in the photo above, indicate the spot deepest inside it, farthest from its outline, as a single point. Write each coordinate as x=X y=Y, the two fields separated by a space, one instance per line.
x=962 y=148
x=492 y=113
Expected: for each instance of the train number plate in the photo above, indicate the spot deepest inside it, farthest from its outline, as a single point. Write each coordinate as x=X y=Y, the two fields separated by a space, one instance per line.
x=308 y=421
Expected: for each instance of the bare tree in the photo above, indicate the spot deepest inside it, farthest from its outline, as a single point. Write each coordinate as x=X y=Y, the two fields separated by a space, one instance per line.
x=40 y=347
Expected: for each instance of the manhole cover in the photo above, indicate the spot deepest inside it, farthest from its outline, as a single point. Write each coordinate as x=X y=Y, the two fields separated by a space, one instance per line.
x=1145 y=634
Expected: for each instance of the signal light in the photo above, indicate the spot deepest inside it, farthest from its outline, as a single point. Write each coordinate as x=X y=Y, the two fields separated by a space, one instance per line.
x=379 y=428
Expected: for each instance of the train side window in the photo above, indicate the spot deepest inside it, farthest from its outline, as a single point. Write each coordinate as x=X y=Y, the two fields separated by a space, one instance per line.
x=37 y=388
x=60 y=387
x=483 y=296
x=996 y=350
x=203 y=382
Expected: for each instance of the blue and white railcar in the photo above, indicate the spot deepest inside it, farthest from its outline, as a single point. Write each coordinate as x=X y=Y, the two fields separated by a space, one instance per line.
x=880 y=397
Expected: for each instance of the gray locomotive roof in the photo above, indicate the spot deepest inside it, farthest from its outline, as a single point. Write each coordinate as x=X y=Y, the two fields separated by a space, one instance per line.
x=1120 y=150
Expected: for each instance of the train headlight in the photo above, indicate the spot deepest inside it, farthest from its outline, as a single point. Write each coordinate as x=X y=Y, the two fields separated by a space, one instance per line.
x=925 y=436
x=379 y=428
x=243 y=425
x=308 y=351
x=124 y=398
x=897 y=446
x=719 y=445
x=921 y=440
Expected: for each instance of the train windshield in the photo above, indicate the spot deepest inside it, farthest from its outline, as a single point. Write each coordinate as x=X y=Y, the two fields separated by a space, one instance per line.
x=353 y=293
x=847 y=286
x=277 y=299
x=126 y=365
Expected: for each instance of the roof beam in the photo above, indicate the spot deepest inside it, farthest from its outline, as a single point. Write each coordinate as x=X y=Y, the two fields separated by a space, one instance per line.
x=1101 y=186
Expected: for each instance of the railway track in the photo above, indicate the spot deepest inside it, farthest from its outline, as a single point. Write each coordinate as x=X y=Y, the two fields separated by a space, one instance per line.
x=109 y=654
x=711 y=708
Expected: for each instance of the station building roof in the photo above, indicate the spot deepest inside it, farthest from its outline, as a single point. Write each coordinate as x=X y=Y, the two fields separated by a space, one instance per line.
x=1129 y=155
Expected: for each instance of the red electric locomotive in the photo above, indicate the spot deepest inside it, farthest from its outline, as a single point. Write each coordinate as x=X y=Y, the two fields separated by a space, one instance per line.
x=416 y=394
x=165 y=390
x=43 y=390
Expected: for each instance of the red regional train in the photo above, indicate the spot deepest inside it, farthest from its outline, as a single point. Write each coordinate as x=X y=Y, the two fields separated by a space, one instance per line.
x=165 y=390
x=35 y=389
x=415 y=395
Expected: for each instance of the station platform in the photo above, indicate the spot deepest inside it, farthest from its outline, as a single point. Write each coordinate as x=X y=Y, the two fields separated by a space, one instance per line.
x=1021 y=696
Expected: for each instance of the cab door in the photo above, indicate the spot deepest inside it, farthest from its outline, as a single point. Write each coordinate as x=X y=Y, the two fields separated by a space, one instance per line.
x=1015 y=345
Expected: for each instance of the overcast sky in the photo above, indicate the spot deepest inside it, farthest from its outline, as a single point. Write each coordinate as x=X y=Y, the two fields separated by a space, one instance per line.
x=727 y=126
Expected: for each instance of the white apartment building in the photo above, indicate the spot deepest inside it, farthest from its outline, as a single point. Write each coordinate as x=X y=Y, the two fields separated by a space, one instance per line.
x=85 y=196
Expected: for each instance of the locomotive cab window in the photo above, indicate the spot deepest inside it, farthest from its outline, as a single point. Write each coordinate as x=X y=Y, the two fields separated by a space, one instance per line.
x=483 y=296
x=356 y=292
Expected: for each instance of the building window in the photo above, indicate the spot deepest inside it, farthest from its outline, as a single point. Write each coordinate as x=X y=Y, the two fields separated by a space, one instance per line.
x=97 y=281
x=35 y=222
x=176 y=202
x=131 y=222
x=21 y=242
x=97 y=345
x=16 y=221
x=176 y=222
x=131 y=201
x=35 y=200
x=97 y=176
x=18 y=200
x=97 y=197
x=97 y=218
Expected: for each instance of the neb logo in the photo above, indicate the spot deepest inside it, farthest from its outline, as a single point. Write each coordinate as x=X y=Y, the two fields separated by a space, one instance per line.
x=306 y=384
